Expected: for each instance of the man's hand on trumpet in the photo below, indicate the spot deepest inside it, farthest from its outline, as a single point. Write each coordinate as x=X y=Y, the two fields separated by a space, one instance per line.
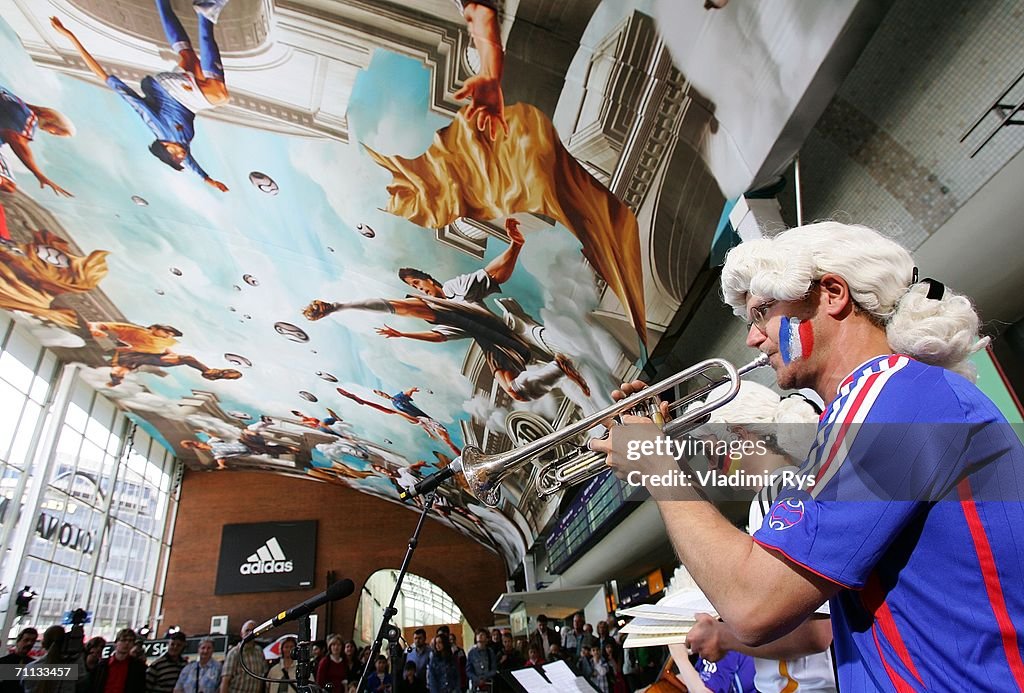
x=639 y=452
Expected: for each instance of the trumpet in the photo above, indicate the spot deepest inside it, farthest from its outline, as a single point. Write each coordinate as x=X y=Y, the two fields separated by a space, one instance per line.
x=485 y=473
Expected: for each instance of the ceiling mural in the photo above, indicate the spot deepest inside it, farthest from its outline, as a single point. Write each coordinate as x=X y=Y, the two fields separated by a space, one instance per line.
x=345 y=240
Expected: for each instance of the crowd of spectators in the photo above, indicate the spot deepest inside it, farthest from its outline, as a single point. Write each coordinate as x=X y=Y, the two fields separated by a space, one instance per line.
x=336 y=665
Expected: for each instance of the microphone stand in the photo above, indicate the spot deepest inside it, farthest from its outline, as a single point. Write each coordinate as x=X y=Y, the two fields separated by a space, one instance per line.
x=301 y=662
x=388 y=630
x=301 y=657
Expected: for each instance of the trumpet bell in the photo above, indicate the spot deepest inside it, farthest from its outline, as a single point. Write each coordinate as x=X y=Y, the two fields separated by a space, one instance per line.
x=484 y=473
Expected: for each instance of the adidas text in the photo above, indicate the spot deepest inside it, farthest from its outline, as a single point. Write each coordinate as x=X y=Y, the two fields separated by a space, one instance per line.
x=264 y=567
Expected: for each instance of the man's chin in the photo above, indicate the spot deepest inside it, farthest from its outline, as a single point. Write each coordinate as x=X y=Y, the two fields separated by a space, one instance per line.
x=785 y=378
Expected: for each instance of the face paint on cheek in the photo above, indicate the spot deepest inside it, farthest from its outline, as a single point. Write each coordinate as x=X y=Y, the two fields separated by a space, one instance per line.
x=796 y=339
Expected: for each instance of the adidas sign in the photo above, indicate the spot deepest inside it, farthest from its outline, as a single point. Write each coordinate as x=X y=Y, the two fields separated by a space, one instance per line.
x=269 y=558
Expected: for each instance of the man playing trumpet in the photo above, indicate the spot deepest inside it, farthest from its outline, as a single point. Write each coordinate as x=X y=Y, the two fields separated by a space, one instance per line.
x=911 y=530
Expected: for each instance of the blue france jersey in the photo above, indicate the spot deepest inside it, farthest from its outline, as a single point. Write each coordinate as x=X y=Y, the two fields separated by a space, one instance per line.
x=16 y=115
x=164 y=115
x=916 y=511
x=404 y=404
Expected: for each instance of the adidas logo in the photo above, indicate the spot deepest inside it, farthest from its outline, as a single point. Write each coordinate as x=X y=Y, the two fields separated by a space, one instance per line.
x=269 y=558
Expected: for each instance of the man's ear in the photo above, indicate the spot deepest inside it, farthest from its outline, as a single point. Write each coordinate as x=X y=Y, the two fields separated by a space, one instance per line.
x=835 y=295
x=741 y=432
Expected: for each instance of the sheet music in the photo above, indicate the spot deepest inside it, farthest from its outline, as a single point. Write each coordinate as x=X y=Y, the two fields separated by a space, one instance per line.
x=530 y=679
x=563 y=679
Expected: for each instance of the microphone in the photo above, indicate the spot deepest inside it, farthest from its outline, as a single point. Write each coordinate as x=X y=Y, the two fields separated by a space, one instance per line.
x=339 y=590
x=433 y=481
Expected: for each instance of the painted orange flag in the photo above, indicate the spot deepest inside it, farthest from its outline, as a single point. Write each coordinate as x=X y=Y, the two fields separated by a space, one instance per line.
x=465 y=174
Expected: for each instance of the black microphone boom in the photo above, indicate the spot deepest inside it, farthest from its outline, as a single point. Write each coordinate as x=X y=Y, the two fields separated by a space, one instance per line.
x=433 y=481
x=339 y=590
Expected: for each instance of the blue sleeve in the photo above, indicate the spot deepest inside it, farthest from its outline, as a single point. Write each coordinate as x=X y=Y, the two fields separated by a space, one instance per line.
x=192 y=165
x=872 y=480
x=128 y=94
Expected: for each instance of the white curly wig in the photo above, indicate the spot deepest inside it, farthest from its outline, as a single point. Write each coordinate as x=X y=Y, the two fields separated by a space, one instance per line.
x=941 y=332
x=790 y=421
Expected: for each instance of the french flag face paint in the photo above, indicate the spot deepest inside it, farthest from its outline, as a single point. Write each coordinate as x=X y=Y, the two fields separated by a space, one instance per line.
x=796 y=339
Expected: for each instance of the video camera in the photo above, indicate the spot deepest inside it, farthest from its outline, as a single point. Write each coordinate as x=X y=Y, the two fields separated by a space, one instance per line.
x=74 y=641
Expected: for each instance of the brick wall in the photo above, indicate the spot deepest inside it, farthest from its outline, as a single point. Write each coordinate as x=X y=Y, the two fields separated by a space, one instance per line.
x=357 y=535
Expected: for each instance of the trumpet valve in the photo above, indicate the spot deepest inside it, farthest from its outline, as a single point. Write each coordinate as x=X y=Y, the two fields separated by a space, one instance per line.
x=651 y=408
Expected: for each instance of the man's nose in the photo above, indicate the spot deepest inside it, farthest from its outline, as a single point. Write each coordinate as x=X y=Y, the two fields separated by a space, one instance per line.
x=755 y=337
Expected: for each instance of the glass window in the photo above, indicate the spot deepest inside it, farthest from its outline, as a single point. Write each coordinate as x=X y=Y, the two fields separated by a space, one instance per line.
x=74 y=536
x=9 y=503
x=47 y=524
x=145 y=521
x=79 y=596
x=118 y=546
x=43 y=378
x=11 y=401
x=127 y=613
x=22 y=371
x=105 y=600
x=137 y=464
x=81 y=402
x=19 y=360
x=66 y=537
x=425 y=602
x=75 y=417
x=99 y=528
x=159 y=513
x=90 y=461
x=107 y=476
x=33 y=577
x=26 y=432
x=114 y=442
x=68 y=446
x=137 y=560
x=153 y=563
x=55 y=597
x=127 y=497
x=101 y=420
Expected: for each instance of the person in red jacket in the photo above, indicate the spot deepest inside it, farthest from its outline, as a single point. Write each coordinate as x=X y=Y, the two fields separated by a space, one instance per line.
x=333 y=670
x=121 y=673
